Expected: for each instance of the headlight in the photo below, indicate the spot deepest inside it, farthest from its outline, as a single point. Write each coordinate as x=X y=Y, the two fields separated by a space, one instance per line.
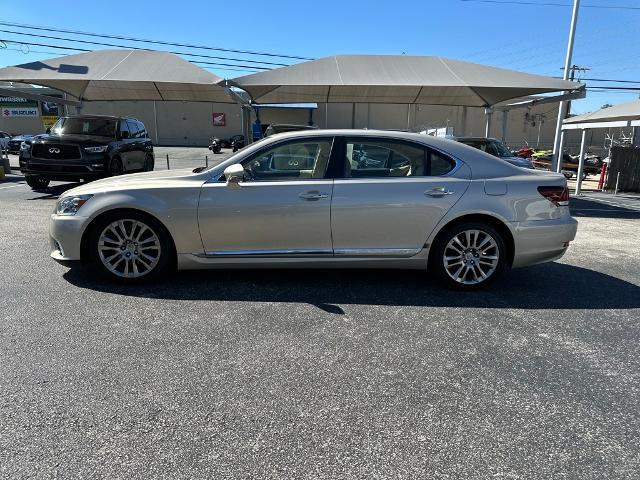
x=100 y=149
x=24 y=146
x=71 y=205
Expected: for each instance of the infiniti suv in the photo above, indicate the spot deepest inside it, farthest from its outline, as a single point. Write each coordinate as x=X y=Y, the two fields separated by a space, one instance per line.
x=86 y=147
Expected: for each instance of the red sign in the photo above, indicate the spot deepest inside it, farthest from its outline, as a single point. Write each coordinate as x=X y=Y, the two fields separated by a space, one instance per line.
x=219 y=120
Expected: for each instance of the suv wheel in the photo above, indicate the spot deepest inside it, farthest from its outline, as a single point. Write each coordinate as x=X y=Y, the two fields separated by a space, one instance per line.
x=149 y=163
x=468 y=256
x=115 y=167
x=37 y=183
x=131 y=247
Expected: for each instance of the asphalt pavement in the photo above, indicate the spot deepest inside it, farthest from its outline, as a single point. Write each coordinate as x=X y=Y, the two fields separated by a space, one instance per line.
x=320 y=374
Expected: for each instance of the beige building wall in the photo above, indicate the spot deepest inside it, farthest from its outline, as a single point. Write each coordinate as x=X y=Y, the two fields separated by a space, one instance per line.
x=191 y=123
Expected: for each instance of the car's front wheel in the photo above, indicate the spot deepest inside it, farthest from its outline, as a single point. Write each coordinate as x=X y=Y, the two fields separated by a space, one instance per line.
x=468 y=256
x=37 y=183
x=131 y=247
x=149 y=163
x=115 y=167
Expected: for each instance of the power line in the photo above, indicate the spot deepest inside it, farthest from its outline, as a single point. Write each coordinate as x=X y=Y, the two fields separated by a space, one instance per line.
x=143 y=40
x=88 y=42
x=552 y=4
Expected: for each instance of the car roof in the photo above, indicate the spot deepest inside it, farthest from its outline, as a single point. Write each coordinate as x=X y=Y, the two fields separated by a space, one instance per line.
x=112 y=117
x=475 y=139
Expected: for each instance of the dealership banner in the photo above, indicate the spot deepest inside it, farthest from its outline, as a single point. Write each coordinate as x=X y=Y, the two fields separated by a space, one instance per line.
x=18 y=107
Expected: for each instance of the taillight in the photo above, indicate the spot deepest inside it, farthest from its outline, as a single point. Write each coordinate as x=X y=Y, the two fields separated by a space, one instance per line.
x=557 y=195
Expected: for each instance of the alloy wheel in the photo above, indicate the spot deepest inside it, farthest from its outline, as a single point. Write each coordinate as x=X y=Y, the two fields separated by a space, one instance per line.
x=129 y=248
x=471 y=257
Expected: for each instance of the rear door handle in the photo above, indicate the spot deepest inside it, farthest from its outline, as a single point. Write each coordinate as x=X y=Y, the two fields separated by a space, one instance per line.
x=313 y=195
x=438 y=192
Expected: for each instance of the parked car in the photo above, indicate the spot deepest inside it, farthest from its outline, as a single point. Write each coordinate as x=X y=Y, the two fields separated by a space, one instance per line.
x=428 y=203
x=4 y=140
x=286 y=127
x=13 y=146
x=86 y=147
x=495 y=147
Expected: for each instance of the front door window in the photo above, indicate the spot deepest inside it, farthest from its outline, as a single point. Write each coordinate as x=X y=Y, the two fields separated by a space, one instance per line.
x=304 y=159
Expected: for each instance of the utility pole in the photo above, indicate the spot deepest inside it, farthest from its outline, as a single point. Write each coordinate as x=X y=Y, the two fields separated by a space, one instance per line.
x=557 y=142
x=574 y=69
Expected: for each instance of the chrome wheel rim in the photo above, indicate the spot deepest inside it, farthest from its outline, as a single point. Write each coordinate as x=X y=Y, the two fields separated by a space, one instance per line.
x=129 y=248
x=471 y=257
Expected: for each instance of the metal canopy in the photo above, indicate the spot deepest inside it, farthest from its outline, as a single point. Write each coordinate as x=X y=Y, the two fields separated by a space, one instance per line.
x=623 y=115
x=396 y=79
x=122 y=75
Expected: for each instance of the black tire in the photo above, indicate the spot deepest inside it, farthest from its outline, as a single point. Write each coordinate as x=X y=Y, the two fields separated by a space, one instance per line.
x=164 y=253
x=115 y=167
x=149 y=163
x=37 y=183
x=472 y=261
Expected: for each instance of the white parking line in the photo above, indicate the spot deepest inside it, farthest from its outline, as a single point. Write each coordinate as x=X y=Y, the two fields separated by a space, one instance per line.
x=13 y=186
x=613 y=204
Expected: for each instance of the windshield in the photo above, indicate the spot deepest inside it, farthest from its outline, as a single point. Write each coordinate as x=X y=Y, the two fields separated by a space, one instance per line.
x=501 y=150
x=492 y=147
x=101 y=127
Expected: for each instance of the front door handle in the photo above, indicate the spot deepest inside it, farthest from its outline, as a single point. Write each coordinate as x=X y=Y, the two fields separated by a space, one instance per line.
x=438 y=192
x=313 y=195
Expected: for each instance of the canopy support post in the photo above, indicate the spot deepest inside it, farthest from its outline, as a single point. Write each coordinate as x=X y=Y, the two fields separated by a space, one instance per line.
x=463 y=121
x=505 y=114
x=583 y=144
x=155 y=120
x=489 y=113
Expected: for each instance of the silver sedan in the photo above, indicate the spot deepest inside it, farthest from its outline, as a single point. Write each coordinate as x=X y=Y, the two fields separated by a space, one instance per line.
x=326 y=198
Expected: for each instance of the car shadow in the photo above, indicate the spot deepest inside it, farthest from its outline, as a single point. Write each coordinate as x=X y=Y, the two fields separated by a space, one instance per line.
x=53 y=192
x=546 y=286
x=582 y=207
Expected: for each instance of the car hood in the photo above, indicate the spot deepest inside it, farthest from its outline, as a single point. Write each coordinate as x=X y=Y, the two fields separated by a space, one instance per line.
x=73 y=139
x=134 y=180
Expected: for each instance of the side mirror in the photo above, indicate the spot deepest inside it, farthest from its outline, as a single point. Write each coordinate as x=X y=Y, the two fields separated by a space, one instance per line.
x=124 y=135
x=234 y=174
x=48 y=129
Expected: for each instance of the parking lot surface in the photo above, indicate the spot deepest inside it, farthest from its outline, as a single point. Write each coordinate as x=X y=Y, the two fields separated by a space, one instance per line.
x=320 y=374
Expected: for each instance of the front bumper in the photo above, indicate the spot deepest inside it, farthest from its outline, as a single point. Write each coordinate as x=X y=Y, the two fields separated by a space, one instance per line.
x=65 y=236
x=542 y=240
x=90 y=167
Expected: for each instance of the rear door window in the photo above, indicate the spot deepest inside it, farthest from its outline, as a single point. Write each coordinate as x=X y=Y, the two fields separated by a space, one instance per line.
x=368 y=158
x=133 y=129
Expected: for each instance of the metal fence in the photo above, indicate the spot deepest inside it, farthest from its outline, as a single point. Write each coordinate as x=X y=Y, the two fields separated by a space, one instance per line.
x=624 y=170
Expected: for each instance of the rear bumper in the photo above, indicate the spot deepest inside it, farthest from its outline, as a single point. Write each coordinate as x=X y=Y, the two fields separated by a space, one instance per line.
x=542 y=241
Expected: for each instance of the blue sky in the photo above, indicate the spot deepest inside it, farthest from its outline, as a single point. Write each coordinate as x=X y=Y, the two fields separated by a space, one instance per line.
x=529 y=38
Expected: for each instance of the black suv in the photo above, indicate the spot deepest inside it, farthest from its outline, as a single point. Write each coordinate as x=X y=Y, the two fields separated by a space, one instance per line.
x=86 y=147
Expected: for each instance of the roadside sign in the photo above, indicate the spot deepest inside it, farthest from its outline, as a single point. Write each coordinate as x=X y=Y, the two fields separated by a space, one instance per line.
x=219 y=119
x=18 y=107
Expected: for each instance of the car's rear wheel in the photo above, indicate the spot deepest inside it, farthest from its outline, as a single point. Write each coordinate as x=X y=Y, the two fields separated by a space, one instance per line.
x=468 y=256
x=37 y=183
x=131 y=247
x=115 y=167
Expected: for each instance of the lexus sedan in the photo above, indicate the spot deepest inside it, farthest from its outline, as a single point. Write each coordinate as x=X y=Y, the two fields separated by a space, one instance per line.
x=323 y=198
